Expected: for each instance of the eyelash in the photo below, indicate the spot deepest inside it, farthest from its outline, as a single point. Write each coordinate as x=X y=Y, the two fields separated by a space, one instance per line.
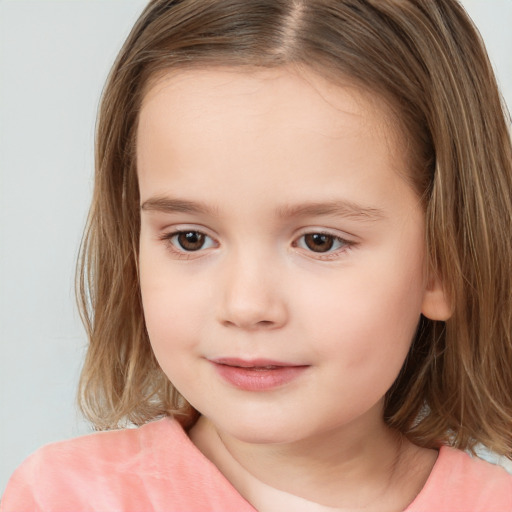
x=182 y=253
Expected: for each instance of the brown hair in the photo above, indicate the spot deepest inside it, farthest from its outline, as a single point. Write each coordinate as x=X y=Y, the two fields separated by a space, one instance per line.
x=422 y=57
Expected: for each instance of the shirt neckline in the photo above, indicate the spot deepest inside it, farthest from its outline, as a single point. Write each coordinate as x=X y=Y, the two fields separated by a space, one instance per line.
x=420 y=497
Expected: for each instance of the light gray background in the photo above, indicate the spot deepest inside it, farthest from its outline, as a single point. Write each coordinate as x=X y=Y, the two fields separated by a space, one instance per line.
x=54 y=58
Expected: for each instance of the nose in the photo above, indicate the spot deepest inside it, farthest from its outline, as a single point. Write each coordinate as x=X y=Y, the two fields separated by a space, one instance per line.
x=252 y=296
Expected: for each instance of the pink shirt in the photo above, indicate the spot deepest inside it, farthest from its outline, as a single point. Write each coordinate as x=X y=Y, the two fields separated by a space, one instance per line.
x=157 y=468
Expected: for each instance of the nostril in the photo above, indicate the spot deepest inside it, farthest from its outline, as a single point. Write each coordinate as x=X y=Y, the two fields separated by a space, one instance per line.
x=262 y=324
x=250 y=307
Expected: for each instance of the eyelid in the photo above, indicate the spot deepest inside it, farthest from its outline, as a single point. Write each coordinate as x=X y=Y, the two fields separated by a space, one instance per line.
x=343 y=235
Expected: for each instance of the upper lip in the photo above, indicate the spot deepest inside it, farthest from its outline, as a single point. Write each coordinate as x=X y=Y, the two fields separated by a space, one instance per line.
x=251 y=363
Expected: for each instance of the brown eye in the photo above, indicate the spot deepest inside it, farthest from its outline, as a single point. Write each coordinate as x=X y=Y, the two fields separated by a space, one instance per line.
x=190 y=240
x=319 y=242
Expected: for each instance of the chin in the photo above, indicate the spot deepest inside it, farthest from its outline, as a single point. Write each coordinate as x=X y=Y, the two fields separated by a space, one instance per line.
x=262 y=432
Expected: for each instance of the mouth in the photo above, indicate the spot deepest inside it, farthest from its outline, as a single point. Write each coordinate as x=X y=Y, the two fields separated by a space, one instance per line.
x=253 y=364
x=257 y=374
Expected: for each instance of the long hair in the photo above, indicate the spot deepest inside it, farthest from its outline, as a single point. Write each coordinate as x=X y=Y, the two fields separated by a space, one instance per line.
x=424 y=59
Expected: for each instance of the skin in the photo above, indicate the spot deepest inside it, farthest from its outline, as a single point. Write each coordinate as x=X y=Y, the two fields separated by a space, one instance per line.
x=247 y=144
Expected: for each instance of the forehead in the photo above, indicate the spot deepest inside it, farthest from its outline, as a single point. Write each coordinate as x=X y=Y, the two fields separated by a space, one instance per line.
x=252 y=127
x=273 y=95
x=297 y=91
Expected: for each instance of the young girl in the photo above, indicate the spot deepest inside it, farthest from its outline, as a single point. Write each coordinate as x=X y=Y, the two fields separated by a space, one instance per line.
x=297 y=269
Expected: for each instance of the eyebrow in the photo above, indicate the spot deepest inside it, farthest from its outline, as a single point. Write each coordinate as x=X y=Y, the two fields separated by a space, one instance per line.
x=339 y=208
x=170 y=205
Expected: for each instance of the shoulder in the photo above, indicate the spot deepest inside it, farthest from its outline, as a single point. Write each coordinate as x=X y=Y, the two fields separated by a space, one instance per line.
x=56 y=473
x=462 y=483
x=115 y=449
x=130 y=469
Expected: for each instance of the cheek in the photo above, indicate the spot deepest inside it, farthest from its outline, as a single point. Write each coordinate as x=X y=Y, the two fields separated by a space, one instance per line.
x=366 y=320
x=174 y=306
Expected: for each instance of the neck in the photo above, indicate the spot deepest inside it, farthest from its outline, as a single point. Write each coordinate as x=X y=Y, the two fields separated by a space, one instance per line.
x=350 y=467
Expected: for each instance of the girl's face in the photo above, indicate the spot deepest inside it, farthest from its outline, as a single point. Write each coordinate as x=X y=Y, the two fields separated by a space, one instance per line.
x=282 y=256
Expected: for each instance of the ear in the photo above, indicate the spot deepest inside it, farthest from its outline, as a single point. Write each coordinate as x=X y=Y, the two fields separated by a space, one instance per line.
x=436 y=303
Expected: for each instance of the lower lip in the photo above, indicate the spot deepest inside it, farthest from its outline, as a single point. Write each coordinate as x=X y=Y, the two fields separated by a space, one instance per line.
x=249 y=379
